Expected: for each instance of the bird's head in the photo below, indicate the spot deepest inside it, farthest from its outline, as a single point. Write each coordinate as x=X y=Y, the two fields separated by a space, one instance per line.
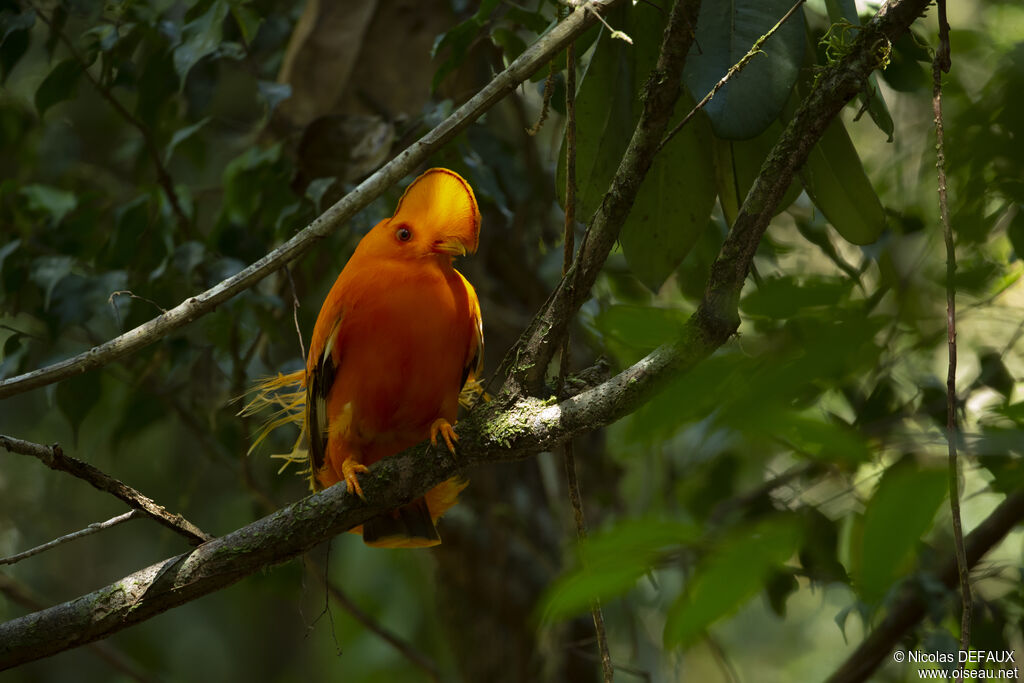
x=437 y=216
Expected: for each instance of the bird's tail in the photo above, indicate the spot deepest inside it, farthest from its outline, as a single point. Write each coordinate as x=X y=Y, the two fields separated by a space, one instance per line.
x=285 y=396
x=412 y=525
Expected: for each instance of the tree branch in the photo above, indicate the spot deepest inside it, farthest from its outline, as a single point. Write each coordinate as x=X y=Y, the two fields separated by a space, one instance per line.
x=54 y=458
x=87 y=531
x=504 y=83
x=912 y=606
x=527 y=362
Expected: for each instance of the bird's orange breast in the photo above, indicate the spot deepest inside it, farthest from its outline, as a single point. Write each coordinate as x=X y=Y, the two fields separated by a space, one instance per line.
x=400 y=352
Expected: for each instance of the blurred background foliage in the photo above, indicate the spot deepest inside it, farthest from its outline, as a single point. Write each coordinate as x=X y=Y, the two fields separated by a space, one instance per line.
x=749 y=523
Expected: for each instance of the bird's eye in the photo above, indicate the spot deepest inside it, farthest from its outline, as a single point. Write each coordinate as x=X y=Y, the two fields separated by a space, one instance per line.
x=403 y=234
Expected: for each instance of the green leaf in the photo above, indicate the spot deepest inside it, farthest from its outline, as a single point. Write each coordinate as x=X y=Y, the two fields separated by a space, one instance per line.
x=273 y=93
x=899 y=513
x=200 y=37
x=999 y=450
x=994 y=373
x=778 y=298
x=878 y=110
x=53 y=201
x=640 y=328
x=458 y=40
x=677 y=195
x=58 y=85
x=732 y=574
x=181 y=135
x=76 y=396
x=248 y=21
x=47 y=271
x=837 y=184
x=1015 y=231
x=751 y=100
x=58 y=19
x=6 y=250
x=15 y=34
x=737 y=164
x=611 y=562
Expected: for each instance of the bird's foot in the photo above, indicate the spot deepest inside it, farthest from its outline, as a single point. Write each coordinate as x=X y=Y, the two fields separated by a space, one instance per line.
x=349 y=468
x=444 y=428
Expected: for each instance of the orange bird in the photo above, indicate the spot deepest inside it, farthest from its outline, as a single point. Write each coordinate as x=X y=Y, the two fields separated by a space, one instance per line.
x=396 y=341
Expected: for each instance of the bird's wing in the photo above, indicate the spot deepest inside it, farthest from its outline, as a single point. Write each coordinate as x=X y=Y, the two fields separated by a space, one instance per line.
x=473 y=370
x=320 y=378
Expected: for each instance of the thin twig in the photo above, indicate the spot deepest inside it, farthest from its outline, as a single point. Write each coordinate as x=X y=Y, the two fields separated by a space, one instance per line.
x=722 y=658
x=415 y=657
x=549 y=89
x=295 y=311
x=519 y=70
x=940 y=63
x=54 y=458
x=572 y=482
x=162 y=176
x=91 y=529
x=585 y=653
x=612 y=33
x=733 y=70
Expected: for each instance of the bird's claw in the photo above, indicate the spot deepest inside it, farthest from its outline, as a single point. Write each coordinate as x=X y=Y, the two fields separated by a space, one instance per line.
x=444 y=428
x=349 y=469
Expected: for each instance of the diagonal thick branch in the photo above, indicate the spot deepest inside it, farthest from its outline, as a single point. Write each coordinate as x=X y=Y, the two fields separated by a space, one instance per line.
x=504 y=83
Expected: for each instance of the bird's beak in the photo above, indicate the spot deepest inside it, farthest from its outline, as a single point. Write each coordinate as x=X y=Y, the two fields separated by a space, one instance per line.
x=452 y=246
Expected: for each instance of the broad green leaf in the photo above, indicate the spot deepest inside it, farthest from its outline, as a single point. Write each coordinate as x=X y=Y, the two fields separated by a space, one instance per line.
x=672 y=207
x=200 y=37
x=58 y=85
x=835 y=180
x=737 y=164
x=837 y=184
x=732 y=574
x=726 y=31
x=677 y=195
x=53 y=201
x=899 y=513
x=611 y=562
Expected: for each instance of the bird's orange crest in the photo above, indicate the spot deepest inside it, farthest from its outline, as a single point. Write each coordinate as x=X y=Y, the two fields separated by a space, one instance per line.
x=441 y=201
